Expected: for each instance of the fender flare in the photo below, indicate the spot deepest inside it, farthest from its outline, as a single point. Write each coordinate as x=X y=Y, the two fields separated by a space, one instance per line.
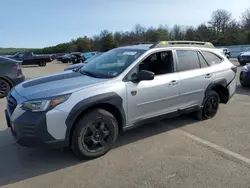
x=107 y=98
x=222 y=82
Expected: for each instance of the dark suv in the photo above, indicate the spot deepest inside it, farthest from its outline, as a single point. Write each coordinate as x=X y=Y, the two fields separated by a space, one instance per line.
x=10 y=75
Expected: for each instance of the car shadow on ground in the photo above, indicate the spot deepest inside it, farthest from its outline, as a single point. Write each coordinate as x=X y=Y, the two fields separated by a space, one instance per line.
x=18 y=163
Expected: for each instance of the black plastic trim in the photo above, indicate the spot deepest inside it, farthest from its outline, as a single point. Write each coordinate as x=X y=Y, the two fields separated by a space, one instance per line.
x=222 y=82
x=107 y=98
x=173 y=114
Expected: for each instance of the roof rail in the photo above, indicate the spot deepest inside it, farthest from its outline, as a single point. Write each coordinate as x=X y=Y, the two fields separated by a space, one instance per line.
x=138 y=43
x=182 y=44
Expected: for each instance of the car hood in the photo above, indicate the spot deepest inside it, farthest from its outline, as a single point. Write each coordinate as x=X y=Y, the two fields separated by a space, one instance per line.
x=56 y=84
x=245 y=53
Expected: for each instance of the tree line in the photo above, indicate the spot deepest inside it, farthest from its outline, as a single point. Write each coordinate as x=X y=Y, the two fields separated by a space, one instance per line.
x=221 y=29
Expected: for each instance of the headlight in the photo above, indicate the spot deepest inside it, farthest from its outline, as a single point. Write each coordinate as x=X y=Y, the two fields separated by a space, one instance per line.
x=248 y=67
x=44 y=104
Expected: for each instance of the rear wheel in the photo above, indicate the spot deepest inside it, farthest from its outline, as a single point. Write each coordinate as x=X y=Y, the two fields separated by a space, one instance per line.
x=4 y=88
x=94 y=134
x=42 y=63
x=210 y=106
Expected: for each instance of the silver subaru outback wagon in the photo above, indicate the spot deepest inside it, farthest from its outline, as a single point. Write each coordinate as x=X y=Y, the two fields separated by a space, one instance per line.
x=124 y=87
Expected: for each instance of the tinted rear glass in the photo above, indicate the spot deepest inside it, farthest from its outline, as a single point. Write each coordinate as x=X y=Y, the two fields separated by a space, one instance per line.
x=7 y=60
x=211 y=58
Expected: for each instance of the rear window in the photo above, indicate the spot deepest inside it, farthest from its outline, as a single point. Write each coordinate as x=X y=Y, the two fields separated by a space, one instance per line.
x=7 y=60
x=211 y=58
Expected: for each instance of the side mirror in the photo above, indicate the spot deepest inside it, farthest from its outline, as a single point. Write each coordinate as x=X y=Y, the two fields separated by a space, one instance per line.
x=142 y=75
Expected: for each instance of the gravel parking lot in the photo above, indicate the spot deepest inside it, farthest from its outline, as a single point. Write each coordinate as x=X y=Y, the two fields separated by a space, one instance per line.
x=180 y=152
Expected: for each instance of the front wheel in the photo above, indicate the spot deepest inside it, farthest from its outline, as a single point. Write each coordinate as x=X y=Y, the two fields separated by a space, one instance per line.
x=242 y=80
x=95 y=134
x=210 y=107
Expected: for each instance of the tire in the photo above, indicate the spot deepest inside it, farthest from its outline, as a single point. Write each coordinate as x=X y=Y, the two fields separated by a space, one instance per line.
x=241 y=80
x=42 y=63
x=97 y=128
x=204 y=113
x=4 y=88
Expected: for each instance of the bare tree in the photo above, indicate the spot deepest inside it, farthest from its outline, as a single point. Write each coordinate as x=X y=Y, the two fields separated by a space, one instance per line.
x=246 y=19
x=177 y=33
x=220 y=21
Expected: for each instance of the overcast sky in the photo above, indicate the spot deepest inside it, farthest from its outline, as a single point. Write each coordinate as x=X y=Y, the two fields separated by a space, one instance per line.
x=40 y=23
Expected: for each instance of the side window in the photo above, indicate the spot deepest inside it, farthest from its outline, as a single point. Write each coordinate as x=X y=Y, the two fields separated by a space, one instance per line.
x=203 y=62
x=211 y=58
x=159 y=63
x=187 y=60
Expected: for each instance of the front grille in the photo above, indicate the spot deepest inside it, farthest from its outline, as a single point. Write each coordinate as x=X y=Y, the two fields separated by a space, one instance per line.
x=12 y=103
x=29 y=130
x=246 y=57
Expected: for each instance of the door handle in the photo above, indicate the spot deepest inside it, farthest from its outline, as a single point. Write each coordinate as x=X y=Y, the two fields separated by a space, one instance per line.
x=208 y=75
x=173 y=82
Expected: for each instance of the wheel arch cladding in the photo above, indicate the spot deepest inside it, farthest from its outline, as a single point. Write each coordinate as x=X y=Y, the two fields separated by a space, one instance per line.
x=111 y=102
x=220 y=86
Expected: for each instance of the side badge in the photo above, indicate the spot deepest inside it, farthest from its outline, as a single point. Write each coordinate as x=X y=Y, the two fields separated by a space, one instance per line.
x=133 y=93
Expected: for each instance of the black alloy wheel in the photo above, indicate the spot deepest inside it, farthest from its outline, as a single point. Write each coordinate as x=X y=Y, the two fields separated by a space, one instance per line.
x=211 y=106
x=4 y=88
x=94 y=134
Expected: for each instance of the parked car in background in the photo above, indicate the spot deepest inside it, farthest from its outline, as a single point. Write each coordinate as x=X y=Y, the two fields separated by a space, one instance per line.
x=244 y=57
x=89 y=54
x=57 y=55
x=29 y=58
x=86 y=110
x=80 y=65
x=245 y=76
x=10 y=75
x=74 y=57
x=77 y=57
x=227 y=52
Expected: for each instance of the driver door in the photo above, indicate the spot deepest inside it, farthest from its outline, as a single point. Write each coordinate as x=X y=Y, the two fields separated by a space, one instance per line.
x=152 y=98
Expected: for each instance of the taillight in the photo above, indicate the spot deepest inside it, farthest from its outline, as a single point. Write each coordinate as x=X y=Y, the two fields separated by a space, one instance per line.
x=17 y=67
x=234 y=69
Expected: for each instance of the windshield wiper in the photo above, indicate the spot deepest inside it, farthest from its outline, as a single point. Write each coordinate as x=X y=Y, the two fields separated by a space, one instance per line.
x=87 y=73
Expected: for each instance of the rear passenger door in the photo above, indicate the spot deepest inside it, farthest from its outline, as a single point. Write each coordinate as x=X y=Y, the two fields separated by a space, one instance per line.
x=195 y=76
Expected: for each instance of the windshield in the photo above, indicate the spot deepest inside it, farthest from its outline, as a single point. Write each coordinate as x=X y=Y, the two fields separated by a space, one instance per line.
x=111 y=63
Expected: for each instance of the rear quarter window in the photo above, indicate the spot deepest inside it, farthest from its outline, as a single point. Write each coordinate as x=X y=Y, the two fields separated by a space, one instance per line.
x=211 y=58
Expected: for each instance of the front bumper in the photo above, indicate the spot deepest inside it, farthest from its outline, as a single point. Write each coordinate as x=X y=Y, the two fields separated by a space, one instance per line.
x=30 y=130
x=18 y=79
x=243 y=59
x=245 y=78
